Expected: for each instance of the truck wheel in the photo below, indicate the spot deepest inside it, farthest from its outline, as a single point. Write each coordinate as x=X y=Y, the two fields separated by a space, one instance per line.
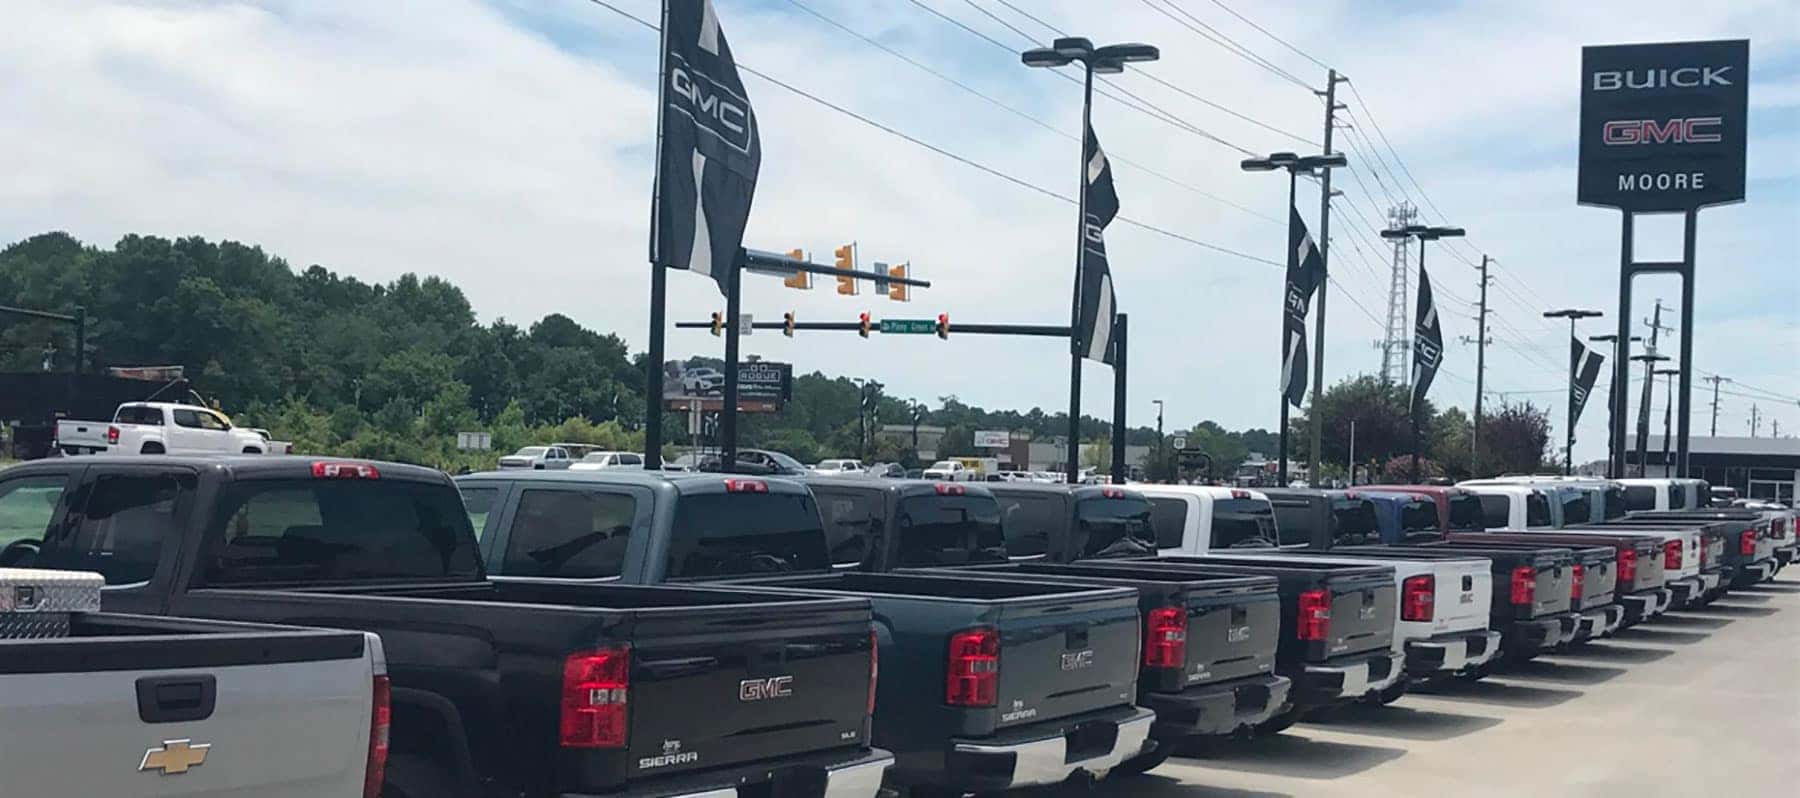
x=1144 y=763
x=252 y=450
x=151 y=448
x=411 y=776
x=1279 y=723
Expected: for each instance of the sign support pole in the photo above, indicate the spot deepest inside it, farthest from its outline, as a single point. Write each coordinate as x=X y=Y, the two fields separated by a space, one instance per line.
x=1692 y=220
x=1622 y=356
x=728 y=416
x=653 y=368
x=1118 y=425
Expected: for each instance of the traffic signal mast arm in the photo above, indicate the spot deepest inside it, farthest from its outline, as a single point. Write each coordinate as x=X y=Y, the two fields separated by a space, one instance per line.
x=778 y=263
x=1043 y=330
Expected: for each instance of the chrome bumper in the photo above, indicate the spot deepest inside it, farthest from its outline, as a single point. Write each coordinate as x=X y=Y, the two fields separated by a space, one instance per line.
x=1451 y=653
x=1046 y=761
x=1601 y=622
x=858 y=779
x=1357 y=679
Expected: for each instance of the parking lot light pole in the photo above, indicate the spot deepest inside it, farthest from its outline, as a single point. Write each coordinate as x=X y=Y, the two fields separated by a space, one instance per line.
x=1107 y=60
x=1424 y=233
x=1295 y=165
x=1162 y=452
x=1573 y=315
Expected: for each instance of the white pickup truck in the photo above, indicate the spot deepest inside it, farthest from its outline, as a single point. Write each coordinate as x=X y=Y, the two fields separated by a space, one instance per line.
x=162 y=428
x=1442 y=627
x=98 y=703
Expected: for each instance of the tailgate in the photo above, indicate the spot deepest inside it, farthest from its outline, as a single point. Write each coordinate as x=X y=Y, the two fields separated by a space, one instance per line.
x=1363 y=610
x=280 y=730
x=1232 y=633
x=1464 y=589
x=1064 y=655
x=1650 y=567
x=1555 y=580
x=1599 y=579
x=719 y=685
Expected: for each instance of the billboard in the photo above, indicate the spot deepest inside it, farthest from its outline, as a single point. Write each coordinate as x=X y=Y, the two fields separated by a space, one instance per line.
x=763 y=386
x=992 y=439
x=1663 y=125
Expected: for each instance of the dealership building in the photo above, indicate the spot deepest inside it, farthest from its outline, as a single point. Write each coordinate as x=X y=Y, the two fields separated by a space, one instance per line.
x=1763 y=468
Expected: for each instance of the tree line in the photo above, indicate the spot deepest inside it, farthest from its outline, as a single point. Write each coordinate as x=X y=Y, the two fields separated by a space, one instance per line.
x=394 y=370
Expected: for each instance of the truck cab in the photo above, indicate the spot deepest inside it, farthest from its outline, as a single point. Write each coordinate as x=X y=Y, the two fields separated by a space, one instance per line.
x=1505 y=505
x=169 y=428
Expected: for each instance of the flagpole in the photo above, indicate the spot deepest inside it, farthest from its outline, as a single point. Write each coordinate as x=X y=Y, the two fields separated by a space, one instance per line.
x=659 y=283
x=1417 y=400
x=1074 y=448
x=1293 y=257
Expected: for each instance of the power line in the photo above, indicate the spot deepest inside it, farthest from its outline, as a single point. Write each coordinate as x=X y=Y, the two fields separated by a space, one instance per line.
x=1265 y=32
x=1026 y=14
x=1022 y=183
x=1213 y=35
x=1003 y=23
x=1020 y=113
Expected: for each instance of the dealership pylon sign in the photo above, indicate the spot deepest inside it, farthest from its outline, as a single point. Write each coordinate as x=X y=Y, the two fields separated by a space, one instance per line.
x=1663 y=130
x=1663 y=125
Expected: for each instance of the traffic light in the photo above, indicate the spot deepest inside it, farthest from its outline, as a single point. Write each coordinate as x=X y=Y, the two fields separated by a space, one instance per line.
x=718 y=322
x=800 y=280
x=846 y=260
x=863 y=324
x=898 y=291
x=943 y=326
x=787 y=324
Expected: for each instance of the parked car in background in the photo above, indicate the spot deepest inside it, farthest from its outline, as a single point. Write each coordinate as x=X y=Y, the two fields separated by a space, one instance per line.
x=159 y=428
x=1666 y=493
x=270 y=445
x=1512 y=506
x=887 y=470
x=538 y=458
x=597 y=461
x=80 y=437
x=949 y=471
x=760 y=462
x=839 y=467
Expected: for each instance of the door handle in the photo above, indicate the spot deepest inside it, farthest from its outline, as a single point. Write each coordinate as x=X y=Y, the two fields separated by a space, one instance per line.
x=173 y=699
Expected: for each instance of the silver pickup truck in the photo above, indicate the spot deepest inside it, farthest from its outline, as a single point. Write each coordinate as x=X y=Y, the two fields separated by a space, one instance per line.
x=97 y=703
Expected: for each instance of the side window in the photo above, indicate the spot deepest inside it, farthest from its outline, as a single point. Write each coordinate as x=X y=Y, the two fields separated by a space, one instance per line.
x=121 y=527
x=211 y=422
x=1496 y=512
x=1537 y=511
x=1678 y=497
x=27 y=505
x=1640 y=497
x=186 y=418
x=1168 y=517
x=630 y=460
x=1027 y=521
x=480 y=503
x=850 y=519
x=580 y=534
x=139 y=414
x=1576 y=508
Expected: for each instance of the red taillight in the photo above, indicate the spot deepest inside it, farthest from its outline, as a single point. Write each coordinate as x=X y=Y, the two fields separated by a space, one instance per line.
x=381 y=717
x=746 y=486
x=949 y=489
x=1747 y=542
x=1165 y=638
x=1524 y=585
x=1672 y=555
x=874 y=668
x=972 y=677
x=1705 y=552
x=1240 y=494
x=1315 y=615
x=1577 y=575
x=1627 y=565
x=324 y=470
x=1112 y=493
x=596 y=686
x=1778 y=528
x=1418 y=597
x=112 y=435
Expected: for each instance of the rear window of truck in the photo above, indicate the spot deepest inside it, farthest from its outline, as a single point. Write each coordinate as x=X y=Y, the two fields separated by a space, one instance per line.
x=727 y=534
x=1496 y=511
x=139 y=414
x=312 y=530
x=1354 y=523
x=1466 y=514
x=573 y=534
x=1575 y=508
x=1027 y=521
x=1419 y=521
x=1293 y=521
x=949 y=530
x=1537 y=511
x=1640 y=497
x=1168 y=517
x=1242 y=523
x=1615 y=503
x=850 y=518
x=1113 y=527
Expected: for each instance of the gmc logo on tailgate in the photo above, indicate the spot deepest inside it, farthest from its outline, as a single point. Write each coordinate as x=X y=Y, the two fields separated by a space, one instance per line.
x=762 y=689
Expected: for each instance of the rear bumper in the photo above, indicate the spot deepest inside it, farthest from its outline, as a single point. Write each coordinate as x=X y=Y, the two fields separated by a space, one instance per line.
x=1645 y=604
x=1600 y=621
x=1540 y=634
x=1216 y=709
x=853 y=775
x=1754 y=572
x=1785 y=555
x=1345 y=679
x=1451 y=653
x=1686 y=590
x=1048 y=753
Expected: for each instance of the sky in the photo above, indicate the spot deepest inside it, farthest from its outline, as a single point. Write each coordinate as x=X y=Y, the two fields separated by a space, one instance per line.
x=508 y=146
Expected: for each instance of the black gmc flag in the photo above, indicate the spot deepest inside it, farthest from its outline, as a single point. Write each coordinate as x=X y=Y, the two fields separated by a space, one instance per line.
x=1305 y=270
x=1584 y=366
x=1428 y=343
x=708 y=149
x=1093 y=338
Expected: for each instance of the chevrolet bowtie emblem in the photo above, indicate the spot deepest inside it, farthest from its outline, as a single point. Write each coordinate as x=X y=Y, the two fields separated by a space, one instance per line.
x=174 y=757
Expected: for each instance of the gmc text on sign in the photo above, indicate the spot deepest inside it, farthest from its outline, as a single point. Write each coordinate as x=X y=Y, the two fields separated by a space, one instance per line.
x=1663 y=125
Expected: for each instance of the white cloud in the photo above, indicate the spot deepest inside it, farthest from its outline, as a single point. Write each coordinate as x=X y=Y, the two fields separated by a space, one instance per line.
x=507 y=146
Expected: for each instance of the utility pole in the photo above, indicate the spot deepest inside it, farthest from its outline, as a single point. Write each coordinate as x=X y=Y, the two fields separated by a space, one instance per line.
x=1315 y=419
x=1755 y=419
x=1715 y=380
x=1481 y=342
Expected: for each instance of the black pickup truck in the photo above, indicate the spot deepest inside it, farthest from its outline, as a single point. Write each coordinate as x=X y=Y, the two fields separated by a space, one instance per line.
x=987 y=685
x=1638 y=565
x=497 y=689
x=1208 y=657
x=1748 y=537
x=1337 y=621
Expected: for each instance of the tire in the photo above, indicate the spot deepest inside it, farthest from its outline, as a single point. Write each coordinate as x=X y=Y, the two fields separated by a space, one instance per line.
x=413 y=776
x=151 y=448
x=1388 y=695
x=1144 y=763
x=1277 y=724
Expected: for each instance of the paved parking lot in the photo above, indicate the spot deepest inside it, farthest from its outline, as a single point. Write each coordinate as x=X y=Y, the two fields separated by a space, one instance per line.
x=1696 y=703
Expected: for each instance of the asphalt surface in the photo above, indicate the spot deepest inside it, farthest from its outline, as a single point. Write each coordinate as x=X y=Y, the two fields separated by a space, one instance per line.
x=1691 y=704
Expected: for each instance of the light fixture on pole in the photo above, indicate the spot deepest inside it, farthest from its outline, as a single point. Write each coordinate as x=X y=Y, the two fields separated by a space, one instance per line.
x=1108 y=60
x=1573 y=315
x=1424 y=233
x=1295 y=165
